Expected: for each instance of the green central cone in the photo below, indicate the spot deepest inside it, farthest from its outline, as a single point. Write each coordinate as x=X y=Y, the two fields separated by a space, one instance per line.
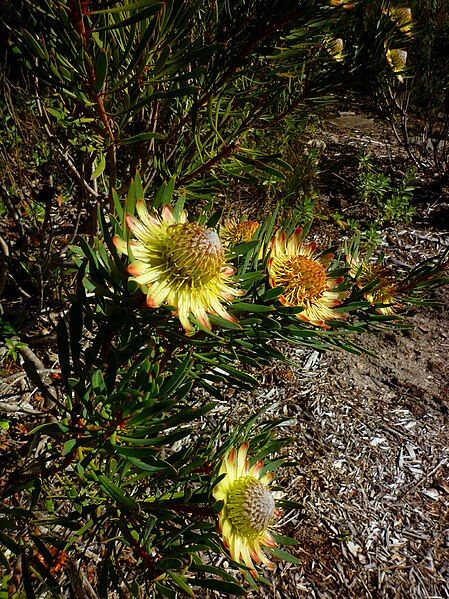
x=194 y=252
x=250 y=506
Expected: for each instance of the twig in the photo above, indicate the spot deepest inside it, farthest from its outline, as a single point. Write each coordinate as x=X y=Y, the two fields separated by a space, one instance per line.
x=424 y=478
x=4 y=258
x=18 y=287
x=37 y=372
x=79 y=584
x=227 y=151
x=13 y=213
x=14 y=407
x=63 y=153
x=41 y=340
x=12 y=378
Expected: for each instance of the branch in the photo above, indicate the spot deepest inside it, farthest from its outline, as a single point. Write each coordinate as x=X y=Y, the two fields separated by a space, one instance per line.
x=224 y=153
x=80 y=586
x=63 y=153
x=38 y=374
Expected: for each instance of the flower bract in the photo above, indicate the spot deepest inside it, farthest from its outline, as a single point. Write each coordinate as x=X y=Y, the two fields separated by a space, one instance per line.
x=302 y=273
x=180 y=264
x=397 y=59
x=234 y=231
x=381 y=286
x=348 y=4
x=402 y=17
x=335 y=48
x=248 y=508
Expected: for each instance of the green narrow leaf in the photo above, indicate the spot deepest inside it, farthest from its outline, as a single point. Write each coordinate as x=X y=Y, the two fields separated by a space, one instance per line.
x=101 y=69
x=165 y=591
x=126 y=7
x=137 y=18
x=38 y=49
x=272 y=294
x=243 y=376
x=9 y=543
x=141 y=137
x=213 y=221
x=56 y=113
x=63 y=350
x=89 y=253
x=284 y=555
x=98 y=383
x=100 y=167
x=213 y=569
x=50 y=428
x=130 y=204
x=242 y=248
x=170 y=563
x=35 y=377
x=188 y=415
x=223 y=323
x=5 y=581
x=68 y=446
x=283 y=540
x=272 y=465
x=247 y=307
x=117 y=205
x=147 y=467
x=29 y=591
x=177 y=92
x=176 y=378
x=76 y=331
x=181 y=583
x=141 y=48
x=164 y=194
x=179 y=207
x=117 y=494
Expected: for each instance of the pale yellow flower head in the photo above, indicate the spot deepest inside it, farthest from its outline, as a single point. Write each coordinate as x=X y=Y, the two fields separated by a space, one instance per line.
x=397 y=59
x=348 y=4
x=335 y=49
x=384 y=288
x=402 y=18
x=179 y=264
x=248 y=508
x=297 y=268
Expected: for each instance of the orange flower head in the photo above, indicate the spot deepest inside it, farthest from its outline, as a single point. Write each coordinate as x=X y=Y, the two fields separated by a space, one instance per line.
x=234 y=232
x=384 y=289
x=296 y=267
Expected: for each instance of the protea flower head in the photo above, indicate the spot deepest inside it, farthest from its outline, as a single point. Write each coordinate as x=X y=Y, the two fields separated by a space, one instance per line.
x=233 y=231
x=179 y=264
x=335 y=49
x=348 y=4
x=248 y=508
x=402 y=17
x=302 y=273
x=397 y=59
x=382 y=286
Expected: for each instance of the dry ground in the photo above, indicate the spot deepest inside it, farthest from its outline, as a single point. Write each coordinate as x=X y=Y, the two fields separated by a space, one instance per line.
x=371 y=445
